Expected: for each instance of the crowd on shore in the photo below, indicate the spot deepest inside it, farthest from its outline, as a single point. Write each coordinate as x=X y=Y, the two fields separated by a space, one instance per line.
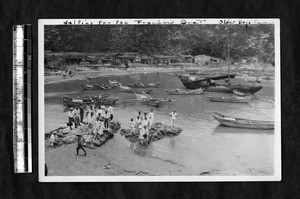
x=143 y=122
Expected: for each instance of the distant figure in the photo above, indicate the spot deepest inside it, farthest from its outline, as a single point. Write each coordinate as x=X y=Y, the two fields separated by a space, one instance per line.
x=106 y=119
x=77 y=117
x=71 y=118
x=46 y=170
x=151 y=118
x=173 y=115
x=81 y=113
x=97 y=127
x=111 y=112
x=140 y=114
x=132 y=124
x=80 y=144
x=145 y=121
x=138 y=122
x=53 y=139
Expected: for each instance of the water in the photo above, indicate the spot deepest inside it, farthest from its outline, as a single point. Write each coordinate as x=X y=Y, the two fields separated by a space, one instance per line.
x=203 y=145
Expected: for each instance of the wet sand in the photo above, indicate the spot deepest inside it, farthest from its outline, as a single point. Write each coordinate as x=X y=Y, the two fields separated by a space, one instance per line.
x=203 y=147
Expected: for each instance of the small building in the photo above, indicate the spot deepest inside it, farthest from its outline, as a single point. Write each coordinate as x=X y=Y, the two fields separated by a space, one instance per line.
x=145 y=59
x=52 y=62
x=187 y=58
x=128 y=57
x=166 y=59
x=75 y=59
x=202 y=60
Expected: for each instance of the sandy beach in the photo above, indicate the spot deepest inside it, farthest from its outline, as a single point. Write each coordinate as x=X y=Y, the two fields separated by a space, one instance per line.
x=180 y=155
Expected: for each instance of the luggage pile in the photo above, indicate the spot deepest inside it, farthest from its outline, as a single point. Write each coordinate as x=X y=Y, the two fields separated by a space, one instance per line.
x=66 y=136
x=157 y=132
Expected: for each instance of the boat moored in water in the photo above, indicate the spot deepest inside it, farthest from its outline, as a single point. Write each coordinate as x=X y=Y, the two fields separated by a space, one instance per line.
x=183 y=92
x=233 y=99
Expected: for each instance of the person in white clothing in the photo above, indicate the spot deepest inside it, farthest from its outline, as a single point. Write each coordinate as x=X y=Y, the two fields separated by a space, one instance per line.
x=173 y=115
x=53 y=139
x=111 y=112
x=145 y=121
x=132 y=125
x=71 y=118
x=138 y=123
x=151 y=118
x=106 y=119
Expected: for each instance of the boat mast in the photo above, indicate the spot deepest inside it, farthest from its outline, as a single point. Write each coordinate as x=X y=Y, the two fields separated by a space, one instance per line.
x=228 y=55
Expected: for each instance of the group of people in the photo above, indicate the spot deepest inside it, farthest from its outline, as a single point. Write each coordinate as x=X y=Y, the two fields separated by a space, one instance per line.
x=97 y=118
x=143 y=123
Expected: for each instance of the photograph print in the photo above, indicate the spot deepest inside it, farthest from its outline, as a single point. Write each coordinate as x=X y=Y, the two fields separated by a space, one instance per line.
x=159 y=100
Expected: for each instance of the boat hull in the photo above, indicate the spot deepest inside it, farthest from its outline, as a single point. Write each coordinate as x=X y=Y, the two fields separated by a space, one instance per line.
x=176 y=92
x=145 y=86
x=230 y=99
x=243 y=123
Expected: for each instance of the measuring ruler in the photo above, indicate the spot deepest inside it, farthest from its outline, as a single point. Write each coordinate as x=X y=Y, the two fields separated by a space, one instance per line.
x=22 y=62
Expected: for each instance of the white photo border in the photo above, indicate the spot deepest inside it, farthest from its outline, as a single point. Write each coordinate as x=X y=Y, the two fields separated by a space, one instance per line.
x=166 y=21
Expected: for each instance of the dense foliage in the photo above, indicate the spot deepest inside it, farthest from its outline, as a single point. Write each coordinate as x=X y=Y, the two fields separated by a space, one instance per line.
x=244 y=41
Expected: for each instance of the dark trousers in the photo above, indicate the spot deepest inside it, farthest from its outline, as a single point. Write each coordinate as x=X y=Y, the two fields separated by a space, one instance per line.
x=106 y=123
x=80 y=147
x=81 y=117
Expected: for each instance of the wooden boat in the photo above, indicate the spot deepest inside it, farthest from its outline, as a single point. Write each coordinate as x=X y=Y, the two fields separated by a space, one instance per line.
x=114 y=83
x=146 y=99
x=231 y=88
x=233 y=99
x=128 y=89
x=94 y=98
x=238 y=93
x=242 y=123
x=141 y=85
x=95 y=87
x=191 y=82
x=69 y=101
x=183 y=92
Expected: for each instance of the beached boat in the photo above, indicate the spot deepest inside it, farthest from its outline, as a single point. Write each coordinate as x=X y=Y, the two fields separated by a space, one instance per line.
x=192 y=82
x=238 y=93
x=128 y=89
x=146 y=99
x=141 y=85
x=242 y=122
x=183 y=92
x=69 y=101
x=231 y=88
x=114 y=83
x=233 y=99
x=95 y=87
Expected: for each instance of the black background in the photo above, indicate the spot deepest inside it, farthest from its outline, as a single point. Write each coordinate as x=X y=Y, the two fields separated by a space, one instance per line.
x=26 y=11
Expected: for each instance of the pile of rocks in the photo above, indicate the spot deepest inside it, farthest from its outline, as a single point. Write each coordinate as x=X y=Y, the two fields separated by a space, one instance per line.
x=67 y=136
x=156 y=132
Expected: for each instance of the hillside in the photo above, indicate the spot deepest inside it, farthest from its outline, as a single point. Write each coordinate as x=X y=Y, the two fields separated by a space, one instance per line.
x=245 y=41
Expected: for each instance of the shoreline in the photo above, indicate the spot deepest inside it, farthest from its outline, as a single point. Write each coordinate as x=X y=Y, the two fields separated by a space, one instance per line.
x=85 y=73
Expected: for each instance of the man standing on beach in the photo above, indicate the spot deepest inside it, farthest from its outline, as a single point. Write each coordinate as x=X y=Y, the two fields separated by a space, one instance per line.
x=151 y=118
x=106 y=119
x=80 y=141
x=71 y=118
x=173 y=115
x=81 y=113
x=111 y=112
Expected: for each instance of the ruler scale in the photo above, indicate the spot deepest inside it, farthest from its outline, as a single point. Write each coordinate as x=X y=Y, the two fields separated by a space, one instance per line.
x=22 y=61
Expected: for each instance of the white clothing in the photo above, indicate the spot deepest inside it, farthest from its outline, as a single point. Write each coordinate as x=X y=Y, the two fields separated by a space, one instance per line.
x=106 y=115
x=70 y=114
x=111 y=110
x=151 y=118
x=173 y=115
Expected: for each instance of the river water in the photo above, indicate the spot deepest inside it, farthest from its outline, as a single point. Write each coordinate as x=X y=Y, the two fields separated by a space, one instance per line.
x=203 y=145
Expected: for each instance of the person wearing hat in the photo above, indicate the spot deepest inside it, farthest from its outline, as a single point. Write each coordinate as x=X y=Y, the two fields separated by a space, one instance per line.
x=71 y=118
x=173 y=115
x=80 y=141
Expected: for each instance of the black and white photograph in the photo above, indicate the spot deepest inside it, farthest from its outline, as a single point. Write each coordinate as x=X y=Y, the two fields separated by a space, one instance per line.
x=159 y=100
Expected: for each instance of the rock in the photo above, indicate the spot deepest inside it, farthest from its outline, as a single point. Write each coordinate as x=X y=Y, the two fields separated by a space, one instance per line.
x=87 y=138
x=157 y=132
x=69 y=139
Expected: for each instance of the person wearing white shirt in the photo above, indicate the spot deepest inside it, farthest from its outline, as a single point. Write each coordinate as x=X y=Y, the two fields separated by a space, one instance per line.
x=151 y=118
x=138 y=123
x=53 y=139
x=106 y=119
x=111 y=112
x=173 y=115
x=71 y=118
x=132 y=125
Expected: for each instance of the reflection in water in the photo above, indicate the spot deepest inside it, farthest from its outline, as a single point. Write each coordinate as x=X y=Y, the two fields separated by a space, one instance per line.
x=223 y=130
